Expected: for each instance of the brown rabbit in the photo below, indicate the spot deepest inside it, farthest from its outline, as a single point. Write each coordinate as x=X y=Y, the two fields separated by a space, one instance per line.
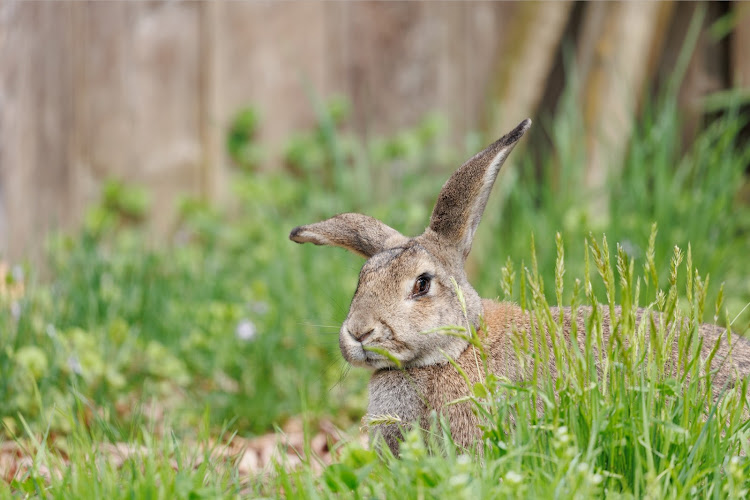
x=405 y=293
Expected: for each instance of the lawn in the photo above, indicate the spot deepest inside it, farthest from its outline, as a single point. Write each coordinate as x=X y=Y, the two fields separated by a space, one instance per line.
x=155 y=366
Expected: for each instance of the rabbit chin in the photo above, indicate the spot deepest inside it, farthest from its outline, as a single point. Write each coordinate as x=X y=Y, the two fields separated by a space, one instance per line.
x=356 y=355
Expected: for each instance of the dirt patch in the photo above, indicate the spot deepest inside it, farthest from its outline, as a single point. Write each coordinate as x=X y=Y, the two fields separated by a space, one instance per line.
x=250 y=456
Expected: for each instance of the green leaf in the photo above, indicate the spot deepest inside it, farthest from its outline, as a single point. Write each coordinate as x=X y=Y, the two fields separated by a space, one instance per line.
x=340 y=477
x=480 y=390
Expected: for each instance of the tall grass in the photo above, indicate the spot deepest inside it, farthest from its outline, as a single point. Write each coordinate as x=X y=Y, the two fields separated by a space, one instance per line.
x=638 y=429
x=227 y=318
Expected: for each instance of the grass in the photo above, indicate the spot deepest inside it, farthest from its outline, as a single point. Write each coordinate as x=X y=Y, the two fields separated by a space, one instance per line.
x=228 y=326
x=640 y=430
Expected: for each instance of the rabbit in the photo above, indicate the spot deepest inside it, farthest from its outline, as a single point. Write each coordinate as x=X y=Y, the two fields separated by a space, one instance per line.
x=406 y=292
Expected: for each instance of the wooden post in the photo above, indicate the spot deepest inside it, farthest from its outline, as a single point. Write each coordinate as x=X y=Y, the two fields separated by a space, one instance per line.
x=614 y=83
x=211 y=130
x=740 y=44
x=528 y=53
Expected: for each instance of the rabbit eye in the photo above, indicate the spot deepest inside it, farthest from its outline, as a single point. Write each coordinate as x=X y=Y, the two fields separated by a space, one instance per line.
x=421 y=286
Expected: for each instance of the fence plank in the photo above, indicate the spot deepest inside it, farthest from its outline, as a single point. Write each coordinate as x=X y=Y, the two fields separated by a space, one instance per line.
x=140 y=104
x=213 y=161
x=401 y=61
x=36 y=110
x=272 y=55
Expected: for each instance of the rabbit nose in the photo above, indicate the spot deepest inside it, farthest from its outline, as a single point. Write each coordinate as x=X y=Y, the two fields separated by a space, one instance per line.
x=361 y=337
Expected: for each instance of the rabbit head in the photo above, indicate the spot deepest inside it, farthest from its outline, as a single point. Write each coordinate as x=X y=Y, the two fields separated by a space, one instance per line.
x=405 y=290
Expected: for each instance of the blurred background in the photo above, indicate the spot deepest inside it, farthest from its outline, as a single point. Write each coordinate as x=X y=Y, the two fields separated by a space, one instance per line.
x=146 y=92
x=155 y=155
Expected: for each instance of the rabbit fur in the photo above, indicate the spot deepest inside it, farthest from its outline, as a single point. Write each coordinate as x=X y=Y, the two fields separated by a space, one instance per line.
x=406 y=292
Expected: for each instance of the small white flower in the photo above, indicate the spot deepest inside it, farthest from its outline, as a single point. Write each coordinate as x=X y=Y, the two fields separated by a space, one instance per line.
x=15 y=310
x=245 y=330
x=458 y=480
x=51 y=331
x=75 y=365
x=513 y=477
x=562 y=435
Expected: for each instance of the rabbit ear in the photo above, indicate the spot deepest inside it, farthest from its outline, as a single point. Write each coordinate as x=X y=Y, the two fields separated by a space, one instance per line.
x=462 y=200
x=357 y=233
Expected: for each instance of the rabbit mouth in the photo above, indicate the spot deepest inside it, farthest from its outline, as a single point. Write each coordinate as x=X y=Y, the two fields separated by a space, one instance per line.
x=357 y=355
x=371 y=357
x=377 y=361
x=354 y=352
x=375 y=348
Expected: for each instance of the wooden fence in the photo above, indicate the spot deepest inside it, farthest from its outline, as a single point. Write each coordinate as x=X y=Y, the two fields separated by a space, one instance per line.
x=144 y=91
